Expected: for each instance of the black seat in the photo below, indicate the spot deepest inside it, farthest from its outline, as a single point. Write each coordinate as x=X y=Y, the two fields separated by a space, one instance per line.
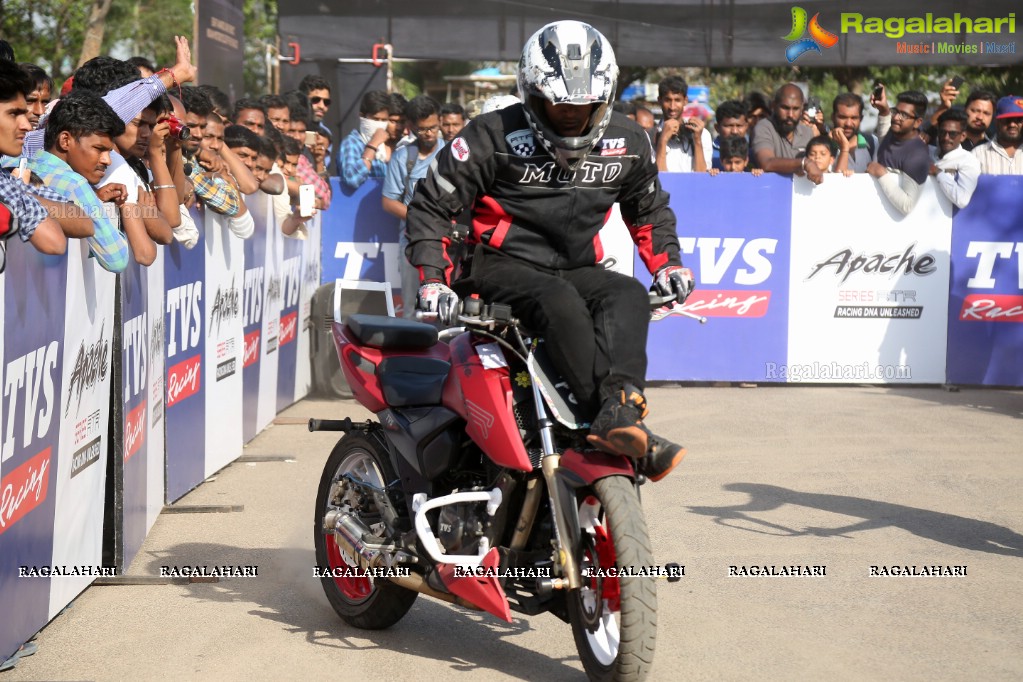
x=380 y=331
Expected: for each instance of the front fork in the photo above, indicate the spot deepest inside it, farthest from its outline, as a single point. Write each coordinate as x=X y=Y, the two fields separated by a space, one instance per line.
x=562 y=498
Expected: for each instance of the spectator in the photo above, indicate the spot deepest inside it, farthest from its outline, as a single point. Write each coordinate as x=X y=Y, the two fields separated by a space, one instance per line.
x=299 y=113
x=980 y=109
x=903 y=160
x=828 y=155
x=779 y=141
x=362 y=154
x=28 y=213
x=80 y=134
x=320 y=152
x=277 y=113
x=410 y=164
x=276 y=184
x=317 y=89
x=452 y=120
x=101 y=74
x=627 y=108
x=683 y=145
x=186 y=233
x=397 y=129
x=305 y=170
x=846 y=117
x=42 y=92
x=954 y=169
x=160 y=158
x=1002 y=156
x=730 y=121
x=757 y=108
x=244 y=143
x=219 y=100
x=144 y=66
x=249 y=113
x=734 y=156
x=645 y=119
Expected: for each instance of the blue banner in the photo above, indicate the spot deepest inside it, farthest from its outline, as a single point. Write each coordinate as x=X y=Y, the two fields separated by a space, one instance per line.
x=253 y=305
x=34 y=307
x=134 y=409
x=985 y=304
x=734 y=233
x=185 y=307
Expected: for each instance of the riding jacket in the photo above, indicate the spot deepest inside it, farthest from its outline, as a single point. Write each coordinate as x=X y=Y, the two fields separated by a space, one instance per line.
x=528 y=208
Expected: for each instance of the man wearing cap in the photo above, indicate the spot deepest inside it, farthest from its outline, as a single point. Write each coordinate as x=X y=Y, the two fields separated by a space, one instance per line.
x=1002 y=156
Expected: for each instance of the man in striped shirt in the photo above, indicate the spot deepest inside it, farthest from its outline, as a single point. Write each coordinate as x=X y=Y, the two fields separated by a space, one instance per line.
x=79 y=138
x=1002 y=155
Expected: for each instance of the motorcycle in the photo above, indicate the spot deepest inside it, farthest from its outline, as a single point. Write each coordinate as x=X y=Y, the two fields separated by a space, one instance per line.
x=476 y=486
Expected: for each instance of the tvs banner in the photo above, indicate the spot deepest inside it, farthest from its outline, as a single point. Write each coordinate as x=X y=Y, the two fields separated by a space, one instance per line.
x=31 y=372
x=225 y=343
x=985 y=305
x=740 y=258
x=257 y=267
x=185 y=305
x=140 y=396
x=288 y=328
x=869 y=287
x=311 y=256
x=84 y=417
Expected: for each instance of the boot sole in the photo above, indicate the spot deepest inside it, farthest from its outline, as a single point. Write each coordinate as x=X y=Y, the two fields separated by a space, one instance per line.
x=675 y=460
x=630 y=441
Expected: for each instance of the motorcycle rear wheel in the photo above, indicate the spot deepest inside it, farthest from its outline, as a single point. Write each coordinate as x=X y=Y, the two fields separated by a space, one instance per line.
x=370 y=604
x=614 y=619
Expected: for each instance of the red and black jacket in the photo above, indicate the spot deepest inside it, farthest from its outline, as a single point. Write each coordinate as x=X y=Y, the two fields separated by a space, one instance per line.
x=527 y=207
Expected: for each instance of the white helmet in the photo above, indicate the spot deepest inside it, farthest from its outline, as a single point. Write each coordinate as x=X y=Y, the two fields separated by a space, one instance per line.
x=567 y=62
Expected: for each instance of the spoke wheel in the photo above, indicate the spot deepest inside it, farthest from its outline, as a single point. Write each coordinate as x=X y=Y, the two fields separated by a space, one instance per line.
x=360 y=601
x=614 y=619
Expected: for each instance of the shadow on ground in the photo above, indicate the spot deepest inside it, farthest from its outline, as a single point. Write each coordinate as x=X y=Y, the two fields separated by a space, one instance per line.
x=948 y=529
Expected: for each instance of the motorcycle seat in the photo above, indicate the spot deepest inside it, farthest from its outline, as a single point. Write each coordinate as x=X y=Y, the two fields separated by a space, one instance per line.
x=380 y=331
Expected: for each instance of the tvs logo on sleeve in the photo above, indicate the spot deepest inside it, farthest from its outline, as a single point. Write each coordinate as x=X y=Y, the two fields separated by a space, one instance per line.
x=460 y=149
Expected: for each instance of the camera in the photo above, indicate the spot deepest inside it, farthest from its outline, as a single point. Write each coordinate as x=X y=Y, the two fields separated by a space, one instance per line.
x=178 y=130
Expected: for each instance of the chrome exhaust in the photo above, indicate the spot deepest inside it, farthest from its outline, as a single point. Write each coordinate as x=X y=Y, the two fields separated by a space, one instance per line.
x=349 y=533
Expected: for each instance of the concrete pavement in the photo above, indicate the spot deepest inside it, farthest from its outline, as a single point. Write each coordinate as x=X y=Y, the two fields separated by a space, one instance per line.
x=844 y=478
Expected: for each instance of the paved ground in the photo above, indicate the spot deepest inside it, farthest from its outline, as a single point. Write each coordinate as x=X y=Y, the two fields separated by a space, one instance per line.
x=845 y=478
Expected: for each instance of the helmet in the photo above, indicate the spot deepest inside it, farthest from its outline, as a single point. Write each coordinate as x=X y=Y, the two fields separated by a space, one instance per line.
x=567 y=62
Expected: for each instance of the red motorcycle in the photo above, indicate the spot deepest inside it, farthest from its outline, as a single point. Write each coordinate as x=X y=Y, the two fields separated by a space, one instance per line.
x=476 y=486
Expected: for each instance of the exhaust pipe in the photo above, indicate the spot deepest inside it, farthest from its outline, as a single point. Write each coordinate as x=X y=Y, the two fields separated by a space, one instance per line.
x=349 y=533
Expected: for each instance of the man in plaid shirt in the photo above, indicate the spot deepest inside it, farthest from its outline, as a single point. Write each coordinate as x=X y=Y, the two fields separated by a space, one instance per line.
x=79 y=138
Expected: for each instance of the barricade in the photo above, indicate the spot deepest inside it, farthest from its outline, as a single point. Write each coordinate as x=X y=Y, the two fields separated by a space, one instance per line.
x=801 y=283
x=122 y=393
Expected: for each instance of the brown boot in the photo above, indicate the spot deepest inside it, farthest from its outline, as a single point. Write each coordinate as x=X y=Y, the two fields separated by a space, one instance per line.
x=618 y=427
x=662 y=456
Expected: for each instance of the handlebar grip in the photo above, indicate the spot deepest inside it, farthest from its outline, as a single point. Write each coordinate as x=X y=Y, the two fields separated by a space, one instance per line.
x=656 y=300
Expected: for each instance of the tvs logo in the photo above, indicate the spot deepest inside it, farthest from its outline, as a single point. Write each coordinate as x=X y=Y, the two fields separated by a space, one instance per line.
x=289 y=324
x=994 y=307
x=24 y=489
x=819 y=37
x=183 y=380
x=522 y=142
x=251 y=354
x=134 y=430
x=614 y=146
x=90 y=368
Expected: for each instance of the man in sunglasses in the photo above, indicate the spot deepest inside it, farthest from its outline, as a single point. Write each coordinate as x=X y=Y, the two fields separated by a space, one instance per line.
x=317 y=89
x=903 y=160
x=955 y=169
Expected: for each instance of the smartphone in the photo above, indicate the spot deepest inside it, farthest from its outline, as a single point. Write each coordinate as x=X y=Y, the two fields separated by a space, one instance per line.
x=957 y=82
x=310 y=138
x=878 y=90
x=306 y=200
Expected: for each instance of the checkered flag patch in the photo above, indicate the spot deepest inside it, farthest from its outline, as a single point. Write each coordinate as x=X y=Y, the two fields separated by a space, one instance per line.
x=522 y=142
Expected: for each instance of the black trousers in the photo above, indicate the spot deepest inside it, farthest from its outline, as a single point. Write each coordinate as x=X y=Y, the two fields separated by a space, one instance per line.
x=593 y=320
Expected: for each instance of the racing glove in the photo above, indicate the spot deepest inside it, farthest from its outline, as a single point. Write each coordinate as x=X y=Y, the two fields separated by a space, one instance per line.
x=675 y=279
x=436 y=297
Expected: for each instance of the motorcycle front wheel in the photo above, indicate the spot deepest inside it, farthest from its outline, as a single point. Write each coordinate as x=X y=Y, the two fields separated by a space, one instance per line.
x=614 y=617
x=370 y=604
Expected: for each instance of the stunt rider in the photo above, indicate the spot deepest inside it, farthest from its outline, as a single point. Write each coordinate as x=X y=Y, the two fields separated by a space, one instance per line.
x=540 y=178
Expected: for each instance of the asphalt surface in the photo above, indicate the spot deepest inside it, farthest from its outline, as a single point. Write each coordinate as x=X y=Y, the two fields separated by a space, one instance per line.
x=844 y=478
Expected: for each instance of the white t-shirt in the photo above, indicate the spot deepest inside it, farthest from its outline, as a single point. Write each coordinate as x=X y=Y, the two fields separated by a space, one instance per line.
x=679 y=157
x=120 y=172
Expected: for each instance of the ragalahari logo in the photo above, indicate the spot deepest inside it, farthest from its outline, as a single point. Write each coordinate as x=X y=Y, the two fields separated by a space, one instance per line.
x=819 y=37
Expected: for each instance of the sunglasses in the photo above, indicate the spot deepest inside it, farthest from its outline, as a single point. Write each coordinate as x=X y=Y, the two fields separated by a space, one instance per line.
x=317 y=100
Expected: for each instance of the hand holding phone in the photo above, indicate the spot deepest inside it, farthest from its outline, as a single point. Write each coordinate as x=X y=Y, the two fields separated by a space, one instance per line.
x=306 y=201
x=957 y=82
x=310 y=138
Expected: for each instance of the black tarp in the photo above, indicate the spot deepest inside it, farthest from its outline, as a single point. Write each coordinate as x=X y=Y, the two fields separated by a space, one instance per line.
x=684 y=33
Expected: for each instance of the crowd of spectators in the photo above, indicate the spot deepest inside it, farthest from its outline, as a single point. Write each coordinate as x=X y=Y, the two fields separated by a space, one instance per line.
x=125 y=151
x=789 y=134
x=122 y=153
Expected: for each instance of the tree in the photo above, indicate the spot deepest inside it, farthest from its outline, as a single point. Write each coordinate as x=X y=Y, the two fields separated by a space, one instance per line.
x=92 y=44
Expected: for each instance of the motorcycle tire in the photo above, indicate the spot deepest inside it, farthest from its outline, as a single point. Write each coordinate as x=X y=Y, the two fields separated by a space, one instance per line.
x=370 y=604
x=614 y=619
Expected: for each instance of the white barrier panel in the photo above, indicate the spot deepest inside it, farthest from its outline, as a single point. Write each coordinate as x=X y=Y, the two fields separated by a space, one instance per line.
x=225 y=342
x=156 y=462
x=84 y=418
x=310 y=282
x=868 y=286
